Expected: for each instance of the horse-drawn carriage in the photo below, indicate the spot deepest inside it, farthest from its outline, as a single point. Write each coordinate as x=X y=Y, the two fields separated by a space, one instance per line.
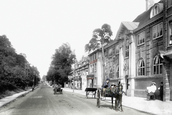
x=92 y=91
x=57 y=88
x=114 y=92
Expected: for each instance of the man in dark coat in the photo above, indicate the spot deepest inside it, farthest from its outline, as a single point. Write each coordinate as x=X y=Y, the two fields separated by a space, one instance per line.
x=161 y=91
x=106 y=83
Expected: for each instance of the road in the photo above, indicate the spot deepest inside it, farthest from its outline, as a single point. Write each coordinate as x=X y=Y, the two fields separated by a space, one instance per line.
x=42 y=101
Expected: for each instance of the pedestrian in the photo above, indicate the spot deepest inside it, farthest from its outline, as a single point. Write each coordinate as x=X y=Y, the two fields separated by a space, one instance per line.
x=161 y=91
x=106 y=83
x=151 y=90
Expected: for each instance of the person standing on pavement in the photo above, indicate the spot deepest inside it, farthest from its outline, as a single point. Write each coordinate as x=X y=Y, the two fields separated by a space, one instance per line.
x=151 y=91
x=152 y=88
x=161 y=91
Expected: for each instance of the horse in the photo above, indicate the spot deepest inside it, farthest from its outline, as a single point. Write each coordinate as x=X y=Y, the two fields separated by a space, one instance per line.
x=113 y=92
x=117 y=92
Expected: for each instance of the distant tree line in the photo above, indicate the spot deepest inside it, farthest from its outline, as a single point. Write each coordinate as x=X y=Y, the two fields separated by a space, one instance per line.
x=15 y=70
x=61 y=65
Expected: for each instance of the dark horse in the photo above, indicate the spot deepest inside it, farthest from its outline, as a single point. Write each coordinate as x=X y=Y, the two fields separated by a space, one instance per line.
x=113 y=92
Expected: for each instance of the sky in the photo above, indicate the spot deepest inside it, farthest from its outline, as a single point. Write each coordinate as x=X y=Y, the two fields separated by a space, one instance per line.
x=37 y=27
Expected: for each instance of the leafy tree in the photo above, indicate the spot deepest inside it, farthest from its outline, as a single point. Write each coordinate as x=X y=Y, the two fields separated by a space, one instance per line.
x=100 y=37
x=13 y=68
x=61 y=64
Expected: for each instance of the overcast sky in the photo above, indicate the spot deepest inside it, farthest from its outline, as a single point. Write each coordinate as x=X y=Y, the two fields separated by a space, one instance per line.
x=38 y=27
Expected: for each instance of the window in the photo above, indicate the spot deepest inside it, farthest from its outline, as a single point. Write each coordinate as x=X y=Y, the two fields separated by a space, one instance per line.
x=95 y=55
x=117 y=50
x=141 y=67
x=169 y=3
x=156 y=9
x=157 y=65
x=110 y=51
x=95 y=69
x=141 y=38
x=127 y=49
x=111 y=72
x=117 y=71
x=170 y=32
x=157 y=30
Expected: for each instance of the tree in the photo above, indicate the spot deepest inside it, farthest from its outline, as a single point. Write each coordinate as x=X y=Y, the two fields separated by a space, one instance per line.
x=61 y=63
x=13 y=68
x=100 y=37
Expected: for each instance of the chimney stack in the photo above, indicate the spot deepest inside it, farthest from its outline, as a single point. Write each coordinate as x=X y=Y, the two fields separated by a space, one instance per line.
x=149 y=3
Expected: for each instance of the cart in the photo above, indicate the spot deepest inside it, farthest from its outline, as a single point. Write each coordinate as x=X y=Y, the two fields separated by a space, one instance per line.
x=92 y=91
x=57 y=89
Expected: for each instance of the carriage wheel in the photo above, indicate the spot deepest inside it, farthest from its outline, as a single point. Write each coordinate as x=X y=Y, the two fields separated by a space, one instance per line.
x=87 y=94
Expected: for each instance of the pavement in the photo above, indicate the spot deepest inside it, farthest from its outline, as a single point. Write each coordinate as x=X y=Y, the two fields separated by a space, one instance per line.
x=8 y=99
x=156 y=107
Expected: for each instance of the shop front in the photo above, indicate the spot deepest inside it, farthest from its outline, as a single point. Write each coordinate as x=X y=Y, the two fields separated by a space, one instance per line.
x=90 y=81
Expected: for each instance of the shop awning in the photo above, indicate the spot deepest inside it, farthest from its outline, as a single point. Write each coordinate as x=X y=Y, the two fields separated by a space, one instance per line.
x=91 y=76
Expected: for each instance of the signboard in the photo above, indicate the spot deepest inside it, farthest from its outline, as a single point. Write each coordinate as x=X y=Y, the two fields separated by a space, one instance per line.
x=90 y=76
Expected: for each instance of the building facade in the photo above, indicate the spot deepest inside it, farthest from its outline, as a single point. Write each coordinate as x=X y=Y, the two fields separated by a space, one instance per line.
x=80 y=72
x=141 y=53
x=120 y=57
x=95 y=76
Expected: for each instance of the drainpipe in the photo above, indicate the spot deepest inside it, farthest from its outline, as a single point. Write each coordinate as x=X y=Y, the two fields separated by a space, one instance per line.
x=166 y=90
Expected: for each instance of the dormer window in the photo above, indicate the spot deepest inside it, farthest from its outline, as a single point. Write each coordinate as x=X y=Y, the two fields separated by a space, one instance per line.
x=156 y=9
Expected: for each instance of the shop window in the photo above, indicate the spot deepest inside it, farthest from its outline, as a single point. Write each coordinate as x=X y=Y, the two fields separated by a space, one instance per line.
x=157 y=30
x=157 y=65
x=141 y=68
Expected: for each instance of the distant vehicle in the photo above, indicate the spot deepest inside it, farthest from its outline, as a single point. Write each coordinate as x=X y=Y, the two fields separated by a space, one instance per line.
x=57 y=88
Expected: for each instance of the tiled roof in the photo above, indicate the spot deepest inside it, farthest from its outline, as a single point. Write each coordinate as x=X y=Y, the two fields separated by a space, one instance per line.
x=144 y=18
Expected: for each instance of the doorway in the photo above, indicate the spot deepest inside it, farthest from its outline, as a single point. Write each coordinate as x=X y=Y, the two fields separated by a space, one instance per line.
x=126 y=82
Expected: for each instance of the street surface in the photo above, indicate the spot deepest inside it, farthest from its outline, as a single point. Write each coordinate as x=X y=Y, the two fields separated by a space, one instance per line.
x=42 y=101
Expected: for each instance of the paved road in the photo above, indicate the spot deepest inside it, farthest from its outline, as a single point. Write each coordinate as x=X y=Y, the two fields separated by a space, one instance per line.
x=43 y=102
